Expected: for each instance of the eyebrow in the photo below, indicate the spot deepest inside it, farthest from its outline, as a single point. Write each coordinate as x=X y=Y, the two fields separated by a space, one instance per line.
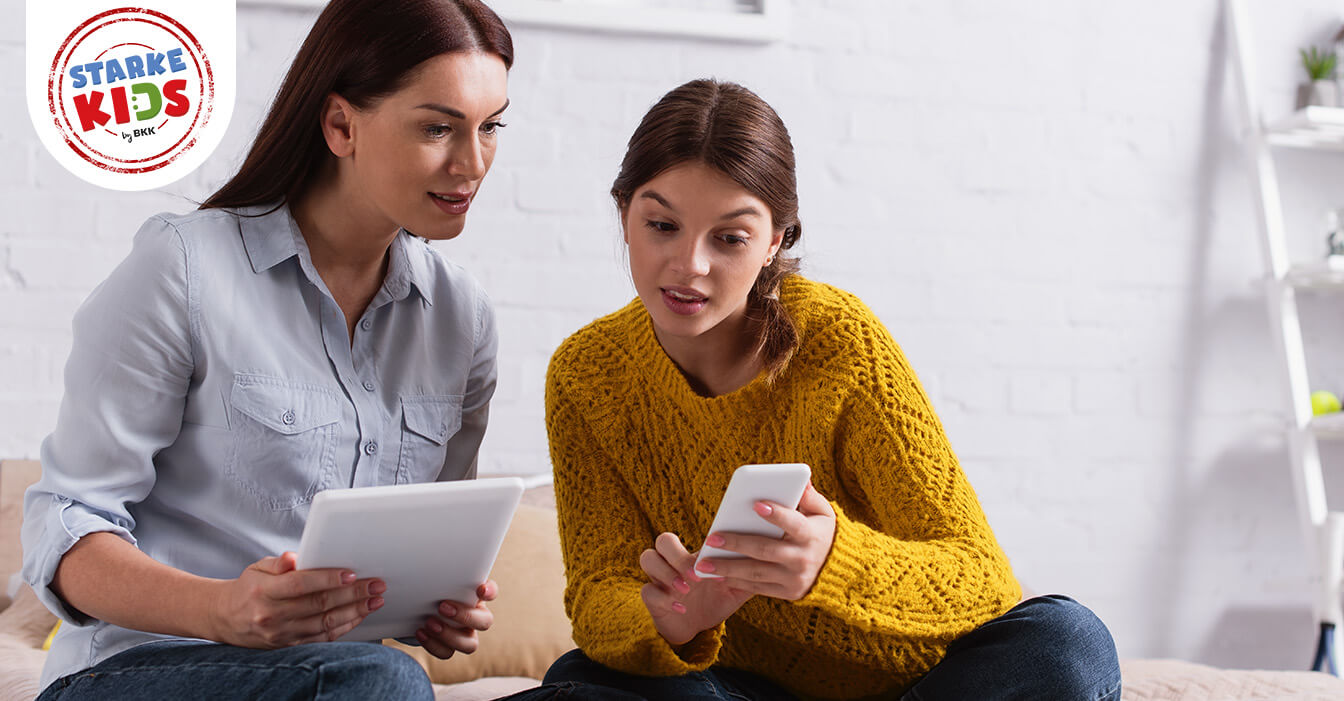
x=740 y=212
x=456 y=113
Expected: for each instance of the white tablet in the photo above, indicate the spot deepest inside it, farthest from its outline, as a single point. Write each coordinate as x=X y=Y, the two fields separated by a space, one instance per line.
x=429 y=542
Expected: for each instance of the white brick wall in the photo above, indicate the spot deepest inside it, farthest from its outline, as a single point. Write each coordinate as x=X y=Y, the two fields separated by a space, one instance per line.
x=1044 y=201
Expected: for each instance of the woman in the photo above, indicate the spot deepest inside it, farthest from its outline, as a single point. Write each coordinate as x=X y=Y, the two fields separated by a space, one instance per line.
x=888 y=582
x=290 y=336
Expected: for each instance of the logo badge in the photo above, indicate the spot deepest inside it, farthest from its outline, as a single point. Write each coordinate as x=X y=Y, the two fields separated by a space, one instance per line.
x=130 y=98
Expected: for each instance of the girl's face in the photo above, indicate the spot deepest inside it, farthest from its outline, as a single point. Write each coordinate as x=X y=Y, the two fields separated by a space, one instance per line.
x=420 y=153
x=697 y=242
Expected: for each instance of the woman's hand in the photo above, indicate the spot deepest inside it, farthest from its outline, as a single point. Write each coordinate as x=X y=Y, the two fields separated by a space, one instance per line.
x=784 y=568
x=681 y=603
x=454 y=629
x=273 y=604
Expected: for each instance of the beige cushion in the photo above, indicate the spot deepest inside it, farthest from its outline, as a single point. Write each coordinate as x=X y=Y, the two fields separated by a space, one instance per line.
x=484 y=689
x=1159 y=680
x=15 y=476
x=23 y=627
x=531 y=630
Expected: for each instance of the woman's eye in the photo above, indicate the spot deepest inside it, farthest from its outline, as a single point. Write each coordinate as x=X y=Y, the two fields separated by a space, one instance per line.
x=732 y=240
x=663 y=226
x=436 y=130
x=492 y=127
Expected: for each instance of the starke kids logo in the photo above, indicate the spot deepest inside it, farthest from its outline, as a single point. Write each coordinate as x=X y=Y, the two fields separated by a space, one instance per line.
x=130 y=90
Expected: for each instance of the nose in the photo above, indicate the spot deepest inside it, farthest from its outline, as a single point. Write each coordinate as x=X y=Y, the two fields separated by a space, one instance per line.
x=691 y=257
x=468 y=158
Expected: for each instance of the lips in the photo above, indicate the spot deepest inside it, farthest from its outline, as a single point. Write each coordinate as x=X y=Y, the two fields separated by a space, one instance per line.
x=684 y=300
x=455 y=203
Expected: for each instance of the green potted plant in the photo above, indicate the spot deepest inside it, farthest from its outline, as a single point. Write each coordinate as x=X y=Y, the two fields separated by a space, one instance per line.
x=1321 y=89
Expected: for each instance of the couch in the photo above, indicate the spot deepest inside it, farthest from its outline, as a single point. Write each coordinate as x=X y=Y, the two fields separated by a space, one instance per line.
x=531 y=630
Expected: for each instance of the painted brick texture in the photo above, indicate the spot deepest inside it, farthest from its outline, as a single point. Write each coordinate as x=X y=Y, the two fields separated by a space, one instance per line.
x=1045 y=202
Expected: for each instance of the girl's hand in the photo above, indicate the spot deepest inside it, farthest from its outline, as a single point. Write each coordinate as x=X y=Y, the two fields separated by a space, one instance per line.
x=681 y=603
x=272 y=604
x=784 y=568
x=454 y=629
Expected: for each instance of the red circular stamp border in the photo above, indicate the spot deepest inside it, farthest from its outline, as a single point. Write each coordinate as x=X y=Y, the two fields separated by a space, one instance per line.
x=206 y=103
x=60 y=99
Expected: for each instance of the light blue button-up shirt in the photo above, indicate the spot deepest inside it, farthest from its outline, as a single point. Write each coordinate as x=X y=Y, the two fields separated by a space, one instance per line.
x=214 y=388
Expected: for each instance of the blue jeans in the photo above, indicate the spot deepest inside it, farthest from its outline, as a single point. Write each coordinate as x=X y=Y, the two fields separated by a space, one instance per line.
x=187 y=669
x=1050 y=647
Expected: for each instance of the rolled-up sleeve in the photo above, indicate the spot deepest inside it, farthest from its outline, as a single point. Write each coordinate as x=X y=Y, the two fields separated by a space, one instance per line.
x=126 y=384
x=460 y=461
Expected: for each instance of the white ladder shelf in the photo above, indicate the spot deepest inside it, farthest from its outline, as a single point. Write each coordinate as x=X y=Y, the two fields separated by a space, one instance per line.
x=1317 y=128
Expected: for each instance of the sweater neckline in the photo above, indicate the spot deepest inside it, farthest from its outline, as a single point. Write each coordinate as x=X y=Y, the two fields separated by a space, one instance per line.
x=666 y=373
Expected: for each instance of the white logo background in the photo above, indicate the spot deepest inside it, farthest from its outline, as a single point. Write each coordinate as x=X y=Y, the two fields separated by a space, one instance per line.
x=133 y=96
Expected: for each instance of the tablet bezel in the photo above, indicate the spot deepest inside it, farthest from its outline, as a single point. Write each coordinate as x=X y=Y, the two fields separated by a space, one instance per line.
x=429 y=542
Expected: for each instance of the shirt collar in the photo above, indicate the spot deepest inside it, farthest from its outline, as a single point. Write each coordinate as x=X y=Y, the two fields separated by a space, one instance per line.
x=273 y=236
x=409 y=267
x=268 y=236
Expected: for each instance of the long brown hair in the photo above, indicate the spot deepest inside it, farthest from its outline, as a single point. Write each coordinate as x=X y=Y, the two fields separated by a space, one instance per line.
x=731 y=129
x=362 y=50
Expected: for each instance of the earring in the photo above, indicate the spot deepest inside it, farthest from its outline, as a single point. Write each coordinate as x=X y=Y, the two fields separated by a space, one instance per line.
x=769 y=260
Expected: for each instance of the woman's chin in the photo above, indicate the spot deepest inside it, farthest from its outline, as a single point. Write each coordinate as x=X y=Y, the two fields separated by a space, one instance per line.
x=440 y=231
x=669 y=323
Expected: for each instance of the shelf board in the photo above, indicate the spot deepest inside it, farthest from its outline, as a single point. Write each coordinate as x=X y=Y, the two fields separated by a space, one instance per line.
x=1316 y=276
x=1310 y=127
x=1328 y=425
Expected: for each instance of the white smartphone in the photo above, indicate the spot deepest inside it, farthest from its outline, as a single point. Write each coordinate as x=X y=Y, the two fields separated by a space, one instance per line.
x=782 y=483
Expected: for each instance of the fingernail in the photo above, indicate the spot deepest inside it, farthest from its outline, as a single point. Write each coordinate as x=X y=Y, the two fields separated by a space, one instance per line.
x=375 y=603
x=681 y=585
x=705 y=566
x=420 y=635
x=377 y=587
x=678 y=607
x=763 y=508
x=434 y=626
x=714 y=541
x=348 y=578
x=448 y=609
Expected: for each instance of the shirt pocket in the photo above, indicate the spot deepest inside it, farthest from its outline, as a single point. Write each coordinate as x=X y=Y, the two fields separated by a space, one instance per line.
x=427 y=422
x=284 y=439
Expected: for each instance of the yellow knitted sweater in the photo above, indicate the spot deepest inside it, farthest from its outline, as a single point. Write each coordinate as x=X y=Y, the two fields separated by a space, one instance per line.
x=637 y=452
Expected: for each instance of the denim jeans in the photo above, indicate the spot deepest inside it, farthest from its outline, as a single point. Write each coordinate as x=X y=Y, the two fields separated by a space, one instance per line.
x=188 y=669
x=1050 y=647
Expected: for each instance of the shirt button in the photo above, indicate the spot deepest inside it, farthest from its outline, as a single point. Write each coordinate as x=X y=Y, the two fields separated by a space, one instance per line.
x=366 y=324
x=368 y=385
x=287 y=417
x=370 y=448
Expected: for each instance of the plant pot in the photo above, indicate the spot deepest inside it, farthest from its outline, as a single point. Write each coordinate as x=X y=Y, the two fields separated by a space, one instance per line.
x=1322 y=93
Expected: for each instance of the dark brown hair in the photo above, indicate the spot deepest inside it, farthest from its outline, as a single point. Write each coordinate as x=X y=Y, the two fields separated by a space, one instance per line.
x=731 y=129
x=362 y=50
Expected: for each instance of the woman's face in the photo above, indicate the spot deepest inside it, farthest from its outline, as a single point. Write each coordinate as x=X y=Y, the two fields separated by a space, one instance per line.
x=421 y=153
x=697 y=242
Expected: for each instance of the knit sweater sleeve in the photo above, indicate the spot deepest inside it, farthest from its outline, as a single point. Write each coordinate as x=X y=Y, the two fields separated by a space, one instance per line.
x=603 y=531
x=913 y=554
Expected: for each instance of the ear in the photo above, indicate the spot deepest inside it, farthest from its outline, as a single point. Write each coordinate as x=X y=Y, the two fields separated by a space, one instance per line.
x=625 y=219
x=337 y=125
x=776 y=241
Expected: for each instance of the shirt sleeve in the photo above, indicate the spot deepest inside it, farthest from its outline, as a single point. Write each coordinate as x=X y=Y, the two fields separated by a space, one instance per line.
x=126 y=383
x=913 y=555
x=465 y=445
x=602 y=533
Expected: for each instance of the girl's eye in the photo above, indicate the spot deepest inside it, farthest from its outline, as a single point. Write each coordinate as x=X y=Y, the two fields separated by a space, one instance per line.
x=662 y=226
x=492 y=127
x=436 y=130
x=732 y=240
